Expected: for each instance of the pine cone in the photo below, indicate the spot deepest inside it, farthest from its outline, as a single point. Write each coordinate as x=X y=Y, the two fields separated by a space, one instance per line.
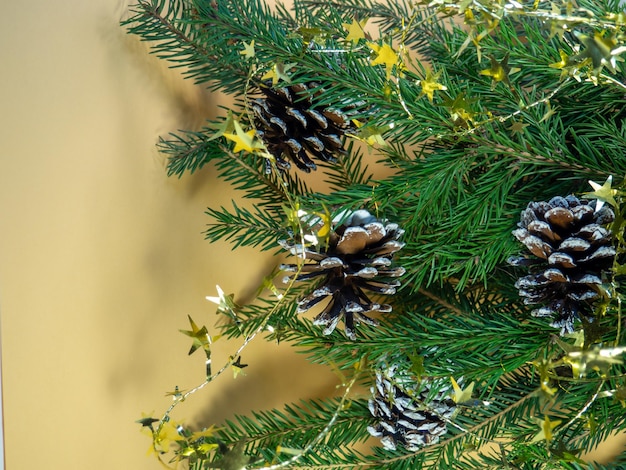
x=572 y=251
x=408 y=414
x=293 y=128
x=355 y=259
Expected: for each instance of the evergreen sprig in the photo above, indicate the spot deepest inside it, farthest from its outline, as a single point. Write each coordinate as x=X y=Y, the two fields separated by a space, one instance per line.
x=476 y=108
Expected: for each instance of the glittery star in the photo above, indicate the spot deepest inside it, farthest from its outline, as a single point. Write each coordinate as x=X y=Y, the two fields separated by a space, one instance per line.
x=200 y=337
x=431 y=84
x=499 y=71
x=546 y=429
x=603 y=193
x=248 y=50
x=355 y=30
x=244 y=140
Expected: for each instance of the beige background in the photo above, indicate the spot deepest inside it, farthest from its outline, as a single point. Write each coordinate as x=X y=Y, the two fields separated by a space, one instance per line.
x=101 y=255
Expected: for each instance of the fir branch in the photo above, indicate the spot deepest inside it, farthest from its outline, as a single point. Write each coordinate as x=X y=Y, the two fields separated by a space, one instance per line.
x=189 y=151
x=348 y=171
x=173 y=34
x=243 y=227
x=247 y=173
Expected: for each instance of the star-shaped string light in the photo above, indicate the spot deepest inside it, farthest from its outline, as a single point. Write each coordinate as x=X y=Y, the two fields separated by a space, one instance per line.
x=147 y=421
x=168 y=435
x=176 y=394
x=550 y=111
x=225 y=303
x=517 y=127
x=232 y=459
x=460 y=108
x=278 y=72
x=600 y=50
x=227 y=126
x=238 y=367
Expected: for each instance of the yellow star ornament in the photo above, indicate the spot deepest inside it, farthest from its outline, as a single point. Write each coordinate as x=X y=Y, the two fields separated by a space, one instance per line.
x=462 y=395
x=200 y=337
x=546 y=429
x=244 y=140
x=248 y=50
x=355 y=30
x=278 y=72
x=603 y=193
x=385 y=55
x=499 y=71
x=431 y=84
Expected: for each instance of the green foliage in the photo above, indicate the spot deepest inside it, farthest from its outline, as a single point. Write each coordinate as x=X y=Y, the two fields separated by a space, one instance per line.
x=246 y=227
x=481 y=107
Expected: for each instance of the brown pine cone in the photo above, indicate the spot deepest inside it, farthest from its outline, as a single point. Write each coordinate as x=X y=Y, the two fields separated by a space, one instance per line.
x=573 y=250
x=407 y=412
x=355 y=259
x=294 y=129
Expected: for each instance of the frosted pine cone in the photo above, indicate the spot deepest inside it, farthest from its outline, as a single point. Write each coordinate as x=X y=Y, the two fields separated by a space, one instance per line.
x=294 y=129
x=356 y=258
x=407 y=412
x=572 y=250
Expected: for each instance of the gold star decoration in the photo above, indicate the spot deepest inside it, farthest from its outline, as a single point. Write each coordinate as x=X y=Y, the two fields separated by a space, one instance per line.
x=601 y=51
x=545 y=391
x=603 y=193
x=546 y=426
x=595 y=358
x=225 y=303
x=460 y=109
x=176 y=394
x=517 y=127
x=227 y=126
x=499 y=71
x=372 y=135
x=248 y=50
x=558 y=27
x=167 y=436
x=246 y=141
x=355 y=30
x=200 y=337
x=550 y=111
x=568 y=67
x=278 y=72
x=207 y=432
x=564 y=453
x=620 y=395
x=238 y=367
x=462 y=396
x=385 y=55
x=314 y=35
x=431 y=84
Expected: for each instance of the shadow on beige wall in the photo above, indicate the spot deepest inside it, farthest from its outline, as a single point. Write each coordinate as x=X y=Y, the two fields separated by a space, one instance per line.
x=102 y=256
